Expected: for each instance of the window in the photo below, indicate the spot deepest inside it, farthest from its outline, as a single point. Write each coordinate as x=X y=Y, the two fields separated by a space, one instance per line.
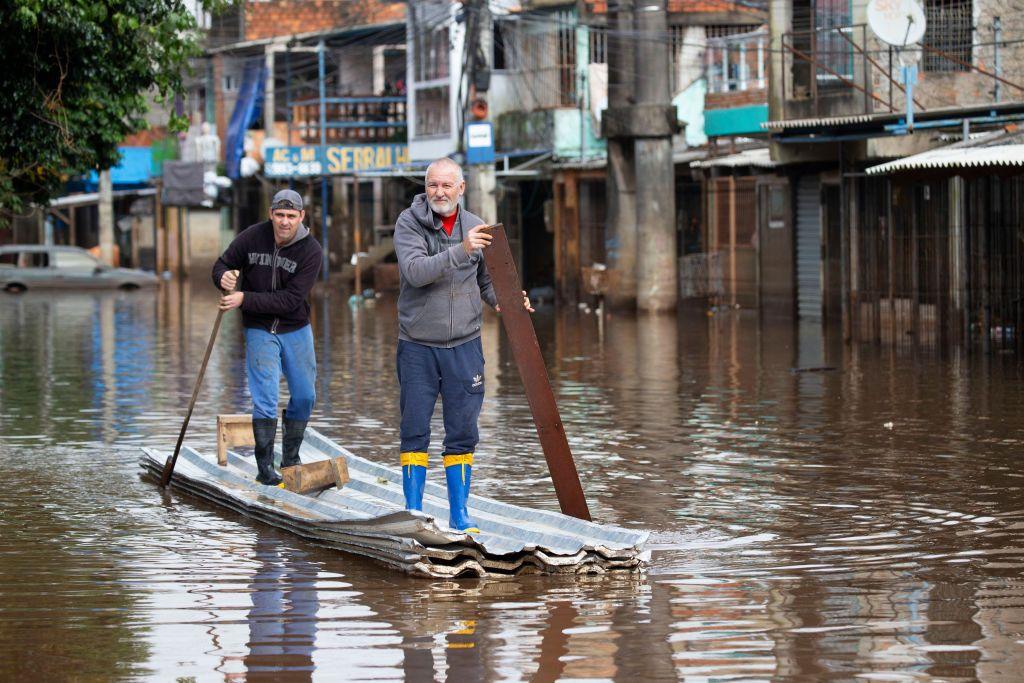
x=833 y=49
x=948 y=29
x=566 y=59
x=505 y=46
x=75 y=260
x=822 y=30
x=432 y=60
x=736 y=62
x=599 y=46
x=432 y=116
x=25 y=259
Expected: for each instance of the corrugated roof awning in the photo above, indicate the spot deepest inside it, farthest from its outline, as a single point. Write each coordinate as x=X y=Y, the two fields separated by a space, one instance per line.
x=759 y=157
x=977 y=157
x=996 y=149
x=881 y=124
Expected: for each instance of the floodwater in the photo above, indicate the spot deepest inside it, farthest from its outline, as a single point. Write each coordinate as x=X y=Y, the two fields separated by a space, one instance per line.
x=861 y=523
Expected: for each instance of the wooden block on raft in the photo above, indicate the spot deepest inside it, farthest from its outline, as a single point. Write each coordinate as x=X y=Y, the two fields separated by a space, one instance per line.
x=315 y=476
x=233 y=430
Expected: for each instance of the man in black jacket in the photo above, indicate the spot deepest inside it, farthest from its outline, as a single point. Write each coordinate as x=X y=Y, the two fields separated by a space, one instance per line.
x=279 y=261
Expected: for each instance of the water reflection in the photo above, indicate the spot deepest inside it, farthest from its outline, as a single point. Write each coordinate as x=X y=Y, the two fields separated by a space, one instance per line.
x=809 y=523
x=282 y=620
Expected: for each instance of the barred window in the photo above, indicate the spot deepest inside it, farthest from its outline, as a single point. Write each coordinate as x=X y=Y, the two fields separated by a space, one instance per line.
x=950 y=30
x=432 y=111
x=598 y=46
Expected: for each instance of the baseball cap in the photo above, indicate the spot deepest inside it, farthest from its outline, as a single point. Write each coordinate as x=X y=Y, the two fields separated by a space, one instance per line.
x=287 y=199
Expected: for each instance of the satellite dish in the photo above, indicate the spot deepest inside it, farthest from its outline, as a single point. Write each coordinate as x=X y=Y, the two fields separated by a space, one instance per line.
x=897 y=22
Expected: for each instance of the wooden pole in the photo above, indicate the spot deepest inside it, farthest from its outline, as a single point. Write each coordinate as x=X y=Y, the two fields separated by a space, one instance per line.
x=358 y=235
x=165 y=476
x=526 y=350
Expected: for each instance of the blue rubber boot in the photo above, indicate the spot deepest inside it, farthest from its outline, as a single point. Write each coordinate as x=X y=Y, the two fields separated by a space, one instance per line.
x=414 y=478
x=457 y=471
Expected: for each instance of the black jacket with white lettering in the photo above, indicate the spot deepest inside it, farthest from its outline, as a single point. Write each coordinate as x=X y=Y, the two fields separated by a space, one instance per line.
x=276 y=296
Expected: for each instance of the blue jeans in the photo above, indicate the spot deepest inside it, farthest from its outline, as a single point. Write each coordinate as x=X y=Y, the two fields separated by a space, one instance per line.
x=266 y=355
x=457 y=375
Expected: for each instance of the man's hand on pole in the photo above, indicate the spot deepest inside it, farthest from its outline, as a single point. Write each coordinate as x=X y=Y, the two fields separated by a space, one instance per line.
x=526 y=304
x=231 y=299
x=229 y=280
x=477 y=238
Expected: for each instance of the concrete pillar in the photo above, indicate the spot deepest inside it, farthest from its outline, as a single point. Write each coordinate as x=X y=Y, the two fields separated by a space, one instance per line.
x=621 y=225
x=106 y=217
x=657 y=266
x=481 y=191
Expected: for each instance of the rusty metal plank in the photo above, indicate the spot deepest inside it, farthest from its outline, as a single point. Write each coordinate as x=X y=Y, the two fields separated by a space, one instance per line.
x=523 y=339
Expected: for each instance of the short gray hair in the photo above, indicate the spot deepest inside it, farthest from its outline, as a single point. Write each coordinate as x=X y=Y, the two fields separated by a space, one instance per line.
x=445 y=162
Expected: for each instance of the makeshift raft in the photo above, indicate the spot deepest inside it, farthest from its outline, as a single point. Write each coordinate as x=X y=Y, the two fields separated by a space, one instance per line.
x=367 y=517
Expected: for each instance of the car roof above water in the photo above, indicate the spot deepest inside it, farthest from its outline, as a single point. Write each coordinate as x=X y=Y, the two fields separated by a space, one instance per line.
x=38 y=247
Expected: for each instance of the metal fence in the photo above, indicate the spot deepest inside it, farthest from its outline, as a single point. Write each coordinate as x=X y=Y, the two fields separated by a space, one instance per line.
x=940 y=261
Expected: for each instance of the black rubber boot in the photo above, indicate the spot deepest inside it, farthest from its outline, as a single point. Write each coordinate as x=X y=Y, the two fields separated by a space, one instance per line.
x=264 y=431
x=294 y=430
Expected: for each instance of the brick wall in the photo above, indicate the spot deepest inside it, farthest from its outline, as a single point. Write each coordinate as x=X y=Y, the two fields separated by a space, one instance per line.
x=268 y=18
x=739 y=98
x=145 y=138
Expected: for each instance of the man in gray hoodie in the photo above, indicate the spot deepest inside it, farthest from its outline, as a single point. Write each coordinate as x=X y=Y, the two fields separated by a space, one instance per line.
x=443 y=284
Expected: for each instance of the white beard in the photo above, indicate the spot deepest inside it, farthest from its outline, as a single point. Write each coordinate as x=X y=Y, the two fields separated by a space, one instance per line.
x=443 y=208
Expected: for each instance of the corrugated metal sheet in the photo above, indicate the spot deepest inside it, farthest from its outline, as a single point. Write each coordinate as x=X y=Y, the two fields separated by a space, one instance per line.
x=817 y=121
x=367 y=517
x=979 y=111
x=956 y=157
x=760 y=157
x=808 y=247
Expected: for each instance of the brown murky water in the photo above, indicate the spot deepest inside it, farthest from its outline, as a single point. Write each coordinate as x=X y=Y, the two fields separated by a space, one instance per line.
x=862 y=523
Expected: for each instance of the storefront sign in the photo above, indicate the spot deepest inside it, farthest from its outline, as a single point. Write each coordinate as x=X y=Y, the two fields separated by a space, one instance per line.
x=315 y=160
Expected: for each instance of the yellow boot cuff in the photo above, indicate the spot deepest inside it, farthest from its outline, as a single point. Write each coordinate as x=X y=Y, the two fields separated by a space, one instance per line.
x=462 y=459
x=419 y=459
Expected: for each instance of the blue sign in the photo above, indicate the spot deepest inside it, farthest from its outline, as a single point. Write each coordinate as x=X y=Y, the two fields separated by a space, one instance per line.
x=479 y=143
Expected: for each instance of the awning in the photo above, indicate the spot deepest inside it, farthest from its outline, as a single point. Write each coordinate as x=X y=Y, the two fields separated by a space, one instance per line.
x=1001 y=156
x=86 y=198
x=991 y=150
x=134 y=168
x=759 y=158
x=881 y=124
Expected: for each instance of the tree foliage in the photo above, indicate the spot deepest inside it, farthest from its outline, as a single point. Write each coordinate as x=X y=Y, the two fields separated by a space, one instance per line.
x=76 y=81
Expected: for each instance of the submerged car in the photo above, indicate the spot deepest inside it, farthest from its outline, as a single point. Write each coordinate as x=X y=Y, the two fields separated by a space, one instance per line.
x=34 y=266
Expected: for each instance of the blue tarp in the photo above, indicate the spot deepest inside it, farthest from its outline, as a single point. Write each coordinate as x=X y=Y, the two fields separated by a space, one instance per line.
x=248 y=109
x=134 y=169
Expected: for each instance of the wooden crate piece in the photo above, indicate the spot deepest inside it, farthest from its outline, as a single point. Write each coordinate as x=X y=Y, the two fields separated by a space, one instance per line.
x=233 y=430
x=316 y=476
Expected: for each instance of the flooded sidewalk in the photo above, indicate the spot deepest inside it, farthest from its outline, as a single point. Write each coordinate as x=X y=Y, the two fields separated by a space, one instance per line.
x=818 y=510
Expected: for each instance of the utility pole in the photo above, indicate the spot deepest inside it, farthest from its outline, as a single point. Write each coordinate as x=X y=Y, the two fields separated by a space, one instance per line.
x=657 y=265
x=481 y=183
x=106 y=217
x=621 y=170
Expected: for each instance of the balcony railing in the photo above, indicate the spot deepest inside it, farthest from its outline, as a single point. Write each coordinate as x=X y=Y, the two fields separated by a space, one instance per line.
x=828 y=71
x=737 y=62
x=349 y=120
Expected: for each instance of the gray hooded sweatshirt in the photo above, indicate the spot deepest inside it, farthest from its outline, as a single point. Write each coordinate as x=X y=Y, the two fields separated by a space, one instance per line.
x=441 y=286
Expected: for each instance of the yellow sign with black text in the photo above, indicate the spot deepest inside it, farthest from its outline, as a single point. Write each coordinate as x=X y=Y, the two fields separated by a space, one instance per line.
x=315 y=160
